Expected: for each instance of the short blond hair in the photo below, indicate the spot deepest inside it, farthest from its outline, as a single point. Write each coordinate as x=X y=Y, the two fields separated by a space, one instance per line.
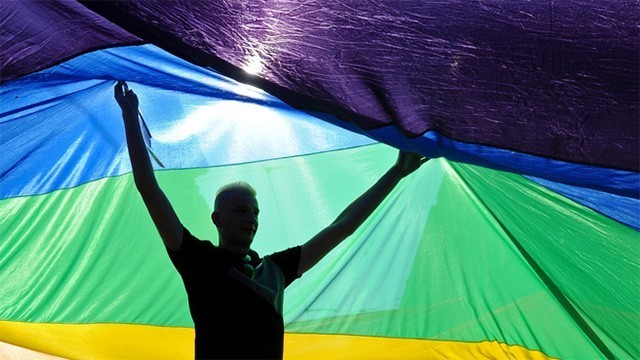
x=241 y=186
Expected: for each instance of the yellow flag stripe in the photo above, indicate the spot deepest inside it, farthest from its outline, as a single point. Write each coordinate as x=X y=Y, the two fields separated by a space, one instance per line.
x=129 y=341
x=316 y=346
x=100 y=341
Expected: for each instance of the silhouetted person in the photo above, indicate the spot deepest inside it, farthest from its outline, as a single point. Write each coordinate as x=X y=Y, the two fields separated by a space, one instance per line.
x=235 y=297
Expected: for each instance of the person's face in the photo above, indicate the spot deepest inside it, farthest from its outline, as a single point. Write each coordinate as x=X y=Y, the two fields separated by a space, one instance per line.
x=237 y=218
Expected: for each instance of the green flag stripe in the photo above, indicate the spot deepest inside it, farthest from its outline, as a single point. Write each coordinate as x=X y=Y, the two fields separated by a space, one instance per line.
x=447 y=256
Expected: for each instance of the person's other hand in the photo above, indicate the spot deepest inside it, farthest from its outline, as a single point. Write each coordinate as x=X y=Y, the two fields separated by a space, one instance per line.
x=409 y=162
x=126 y=98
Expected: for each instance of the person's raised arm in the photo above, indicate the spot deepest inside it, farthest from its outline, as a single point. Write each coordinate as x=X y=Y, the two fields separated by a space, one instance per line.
x=357 y=212
x=161 y=211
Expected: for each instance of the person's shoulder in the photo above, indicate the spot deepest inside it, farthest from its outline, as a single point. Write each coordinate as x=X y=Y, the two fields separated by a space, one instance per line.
x=288 y=262
x=190 y=242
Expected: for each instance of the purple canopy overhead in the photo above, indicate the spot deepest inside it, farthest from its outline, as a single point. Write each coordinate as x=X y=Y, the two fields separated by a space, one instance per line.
x=38 y=34
x=555 y=79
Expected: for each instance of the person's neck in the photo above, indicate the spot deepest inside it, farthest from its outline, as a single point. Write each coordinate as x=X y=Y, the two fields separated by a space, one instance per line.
x=240 y=250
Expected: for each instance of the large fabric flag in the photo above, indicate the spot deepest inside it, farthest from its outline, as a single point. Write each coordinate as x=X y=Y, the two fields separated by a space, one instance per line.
x=519 y=239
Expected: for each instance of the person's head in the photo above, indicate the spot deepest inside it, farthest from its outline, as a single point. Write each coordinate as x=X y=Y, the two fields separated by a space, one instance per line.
x=235 y=215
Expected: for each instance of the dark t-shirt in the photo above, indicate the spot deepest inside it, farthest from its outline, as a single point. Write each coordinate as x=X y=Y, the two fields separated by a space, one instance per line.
x=235 y=316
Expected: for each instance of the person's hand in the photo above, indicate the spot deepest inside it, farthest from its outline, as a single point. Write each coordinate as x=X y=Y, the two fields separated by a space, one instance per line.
x=409 y=162
x=126 y=98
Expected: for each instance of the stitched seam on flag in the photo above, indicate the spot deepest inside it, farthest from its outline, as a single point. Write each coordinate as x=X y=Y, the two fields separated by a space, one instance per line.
x=190 y=168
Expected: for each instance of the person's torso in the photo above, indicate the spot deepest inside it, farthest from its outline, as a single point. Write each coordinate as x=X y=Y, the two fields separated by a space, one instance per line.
x=234 y=315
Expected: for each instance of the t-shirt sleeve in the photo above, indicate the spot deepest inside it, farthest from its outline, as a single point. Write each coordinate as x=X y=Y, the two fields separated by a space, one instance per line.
x=288 y=261
x=190 y=249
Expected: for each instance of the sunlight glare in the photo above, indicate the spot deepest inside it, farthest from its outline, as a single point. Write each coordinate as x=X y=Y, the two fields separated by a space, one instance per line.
x=254 y=66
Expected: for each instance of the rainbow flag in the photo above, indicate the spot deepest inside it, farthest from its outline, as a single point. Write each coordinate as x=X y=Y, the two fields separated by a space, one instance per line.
x=518 y=240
